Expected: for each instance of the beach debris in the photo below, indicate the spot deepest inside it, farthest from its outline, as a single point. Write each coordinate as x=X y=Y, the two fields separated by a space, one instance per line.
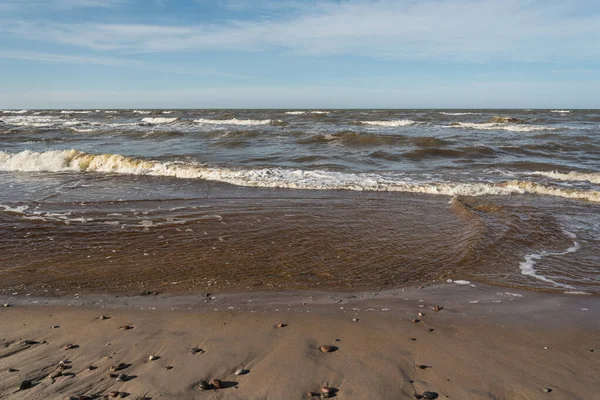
x=546 y=390
x=70 y=346
x=281 y=325
x=203 y=385
x=55 y=327
x=438 y=308
x=118 y=367
x=326 y=348
x=153 y=358
x=103 y=317
x=327 y=392
x=430 y=395
x=355 y=320
x=196 y=350
x=241 y=371
x=126 y=327
x=216 y=383
x=26 y=384
x=422 y=366
x=416 y=321
x=421 y=314
x=5 y=305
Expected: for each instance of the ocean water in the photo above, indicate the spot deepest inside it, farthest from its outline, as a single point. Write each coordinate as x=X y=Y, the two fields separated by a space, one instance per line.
x=122 y=200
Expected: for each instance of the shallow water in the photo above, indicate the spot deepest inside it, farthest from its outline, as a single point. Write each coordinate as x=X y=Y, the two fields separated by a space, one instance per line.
x=185 y=199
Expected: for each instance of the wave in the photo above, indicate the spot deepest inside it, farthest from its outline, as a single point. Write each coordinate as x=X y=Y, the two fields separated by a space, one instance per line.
x=400 y=122
x=158 y=120
x=75 y=112
x=77 y=161
x=235 y=121
x=498 y=126
x=111 y=112
x=15 y=111
x=459 y=113
x=592 y=177
x=295 y=112
x=141 y=112
x=561 y=111
x=32 y=120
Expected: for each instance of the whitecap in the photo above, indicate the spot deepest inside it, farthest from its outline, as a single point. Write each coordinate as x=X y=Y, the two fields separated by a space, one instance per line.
x=592 y=177
x=492 y=126
x=158 y=120
x=234 y=121
x=400 y=122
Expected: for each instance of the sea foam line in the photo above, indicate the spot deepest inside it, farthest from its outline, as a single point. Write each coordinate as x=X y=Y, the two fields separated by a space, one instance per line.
x=399 y=122
x=592 y=177
x=498 y=126
x=234 y=121
x=77 y=161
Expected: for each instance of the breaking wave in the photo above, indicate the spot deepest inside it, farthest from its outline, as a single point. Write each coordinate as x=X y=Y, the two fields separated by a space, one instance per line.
x=492 y=126
x=158 y=120
x=73 y=160
x=14 y=111
x=400 y=122
x=235 y=121
x=459 y=113
x=592 y=177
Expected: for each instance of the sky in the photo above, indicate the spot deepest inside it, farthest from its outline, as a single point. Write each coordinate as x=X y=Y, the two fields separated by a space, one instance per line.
x=299 y=54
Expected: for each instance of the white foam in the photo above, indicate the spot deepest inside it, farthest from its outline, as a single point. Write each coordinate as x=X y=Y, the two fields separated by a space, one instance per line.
x=16 y=210
x=73 y=160
x=592 y=177
x=15 y=111
x=320 y=112
x=462 y=282
x=110 y=111
x=459 y=113
x=32 y=120
x=167 y=112
x=295 y=112
x=75 y=112
x=577 y=292
x=141 y=112
x=399 y=122
x=158 y=120
x=491 y=126
x=233 y=121
x=527 y=266
x=561 y=111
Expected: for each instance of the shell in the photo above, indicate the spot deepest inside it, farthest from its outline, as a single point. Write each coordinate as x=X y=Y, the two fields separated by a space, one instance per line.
x=216 y=383
x=69 y=346
x=327 y=348
x=546 y=390
x=281 y=325
x=5 y=305
x=355 y=319
x=241 y=371
x=416 y=321
x=153 y=358
x=118 y=367
x=122 y=377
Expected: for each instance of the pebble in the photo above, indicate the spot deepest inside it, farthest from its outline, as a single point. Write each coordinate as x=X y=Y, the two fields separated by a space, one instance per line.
x=26 y=384
x=241 y=371
x=203 y=385
x=196 y=350
x=118 y=367
x=11 y=370
x=125 y=327
x=430 y=395
x=123 y=394
x=438 y=308
x=546 y=390
x=6 y=305
x=102 y=317
x=423 y=366
x=431 y=329
x=122 y=377
x=355 y=319
x=326 y=392
x=416 y=321
x=113 y=393
x=418 y=396
x=153 y=358
x=327 y=348
x=216 y=383
x=281 y=325
x=421 y=314
x=55 y=327
x=28 y=342
x=412 y=339
x=70 y=346
x=91 y=368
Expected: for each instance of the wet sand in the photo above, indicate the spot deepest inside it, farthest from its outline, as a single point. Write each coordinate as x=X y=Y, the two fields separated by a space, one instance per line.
x=484 y=343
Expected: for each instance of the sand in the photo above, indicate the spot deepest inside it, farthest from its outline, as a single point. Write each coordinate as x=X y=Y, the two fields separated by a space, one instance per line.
x=485 y=343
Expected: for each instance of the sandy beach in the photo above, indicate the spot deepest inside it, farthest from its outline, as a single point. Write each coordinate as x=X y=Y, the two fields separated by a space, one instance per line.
x=483 y=343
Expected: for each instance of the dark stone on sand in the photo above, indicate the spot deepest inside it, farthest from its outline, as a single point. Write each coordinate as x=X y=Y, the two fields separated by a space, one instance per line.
x=28 y=342
x=281 y=325
x=438 y=308
x=591 y=350
x=203 y=385
x=412 y=339
x=122 y=377
x=91 y=368
x=416 y=320
x=113 y=393
x=216 y=383
x=26 y=384
x=169 y=367
x=125 y=327
x=196 y=350
x=418 y=396
x=431 y=329
x=12 y=370
x=326 y=348
x=422 y=366
x=546 y=390
x=118 y=367
x=430 y=395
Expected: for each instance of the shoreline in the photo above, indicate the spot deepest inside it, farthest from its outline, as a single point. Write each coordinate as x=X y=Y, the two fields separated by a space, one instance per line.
x=484 y=343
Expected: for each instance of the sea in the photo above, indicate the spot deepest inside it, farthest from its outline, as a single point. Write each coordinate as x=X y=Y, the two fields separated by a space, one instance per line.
x=205 y=200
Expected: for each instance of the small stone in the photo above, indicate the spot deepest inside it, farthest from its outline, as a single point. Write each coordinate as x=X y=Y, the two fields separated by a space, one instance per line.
x=546 y=348
x=125 y=327
x=122 y=378
x=423 y=366
x=546 y=390
x=326 y=390
x=5 y=305
x=55 y=327
x=430 y=395
x=591 y=350
x=412 y=339
x=91 y=368
x=281 y=325
x=421 y=314
x=355 y=319
x=196 y=350
x=327 y=348
x=216 y=383
x=28 y=342
x=416 y=321
x=70 y=346
x=123 y=394
x=103 y=317
x=153 y=358
x=114 y=393
x=241 y=371
x=438 y=308
x=169 y=367
x=118 y=367
x=12 y=370
x=203 y=385
x=26 y=384
x=431 y=329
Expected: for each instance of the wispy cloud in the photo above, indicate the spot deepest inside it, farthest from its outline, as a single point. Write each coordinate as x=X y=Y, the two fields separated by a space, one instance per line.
x=460 y=30
x=24 y=5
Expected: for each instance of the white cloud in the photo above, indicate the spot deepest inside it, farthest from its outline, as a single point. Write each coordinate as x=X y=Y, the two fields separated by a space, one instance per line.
x=20 y=5
x=459 y=30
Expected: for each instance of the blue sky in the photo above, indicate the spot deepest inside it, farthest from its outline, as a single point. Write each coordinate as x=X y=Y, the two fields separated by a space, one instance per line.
x=299 y=54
